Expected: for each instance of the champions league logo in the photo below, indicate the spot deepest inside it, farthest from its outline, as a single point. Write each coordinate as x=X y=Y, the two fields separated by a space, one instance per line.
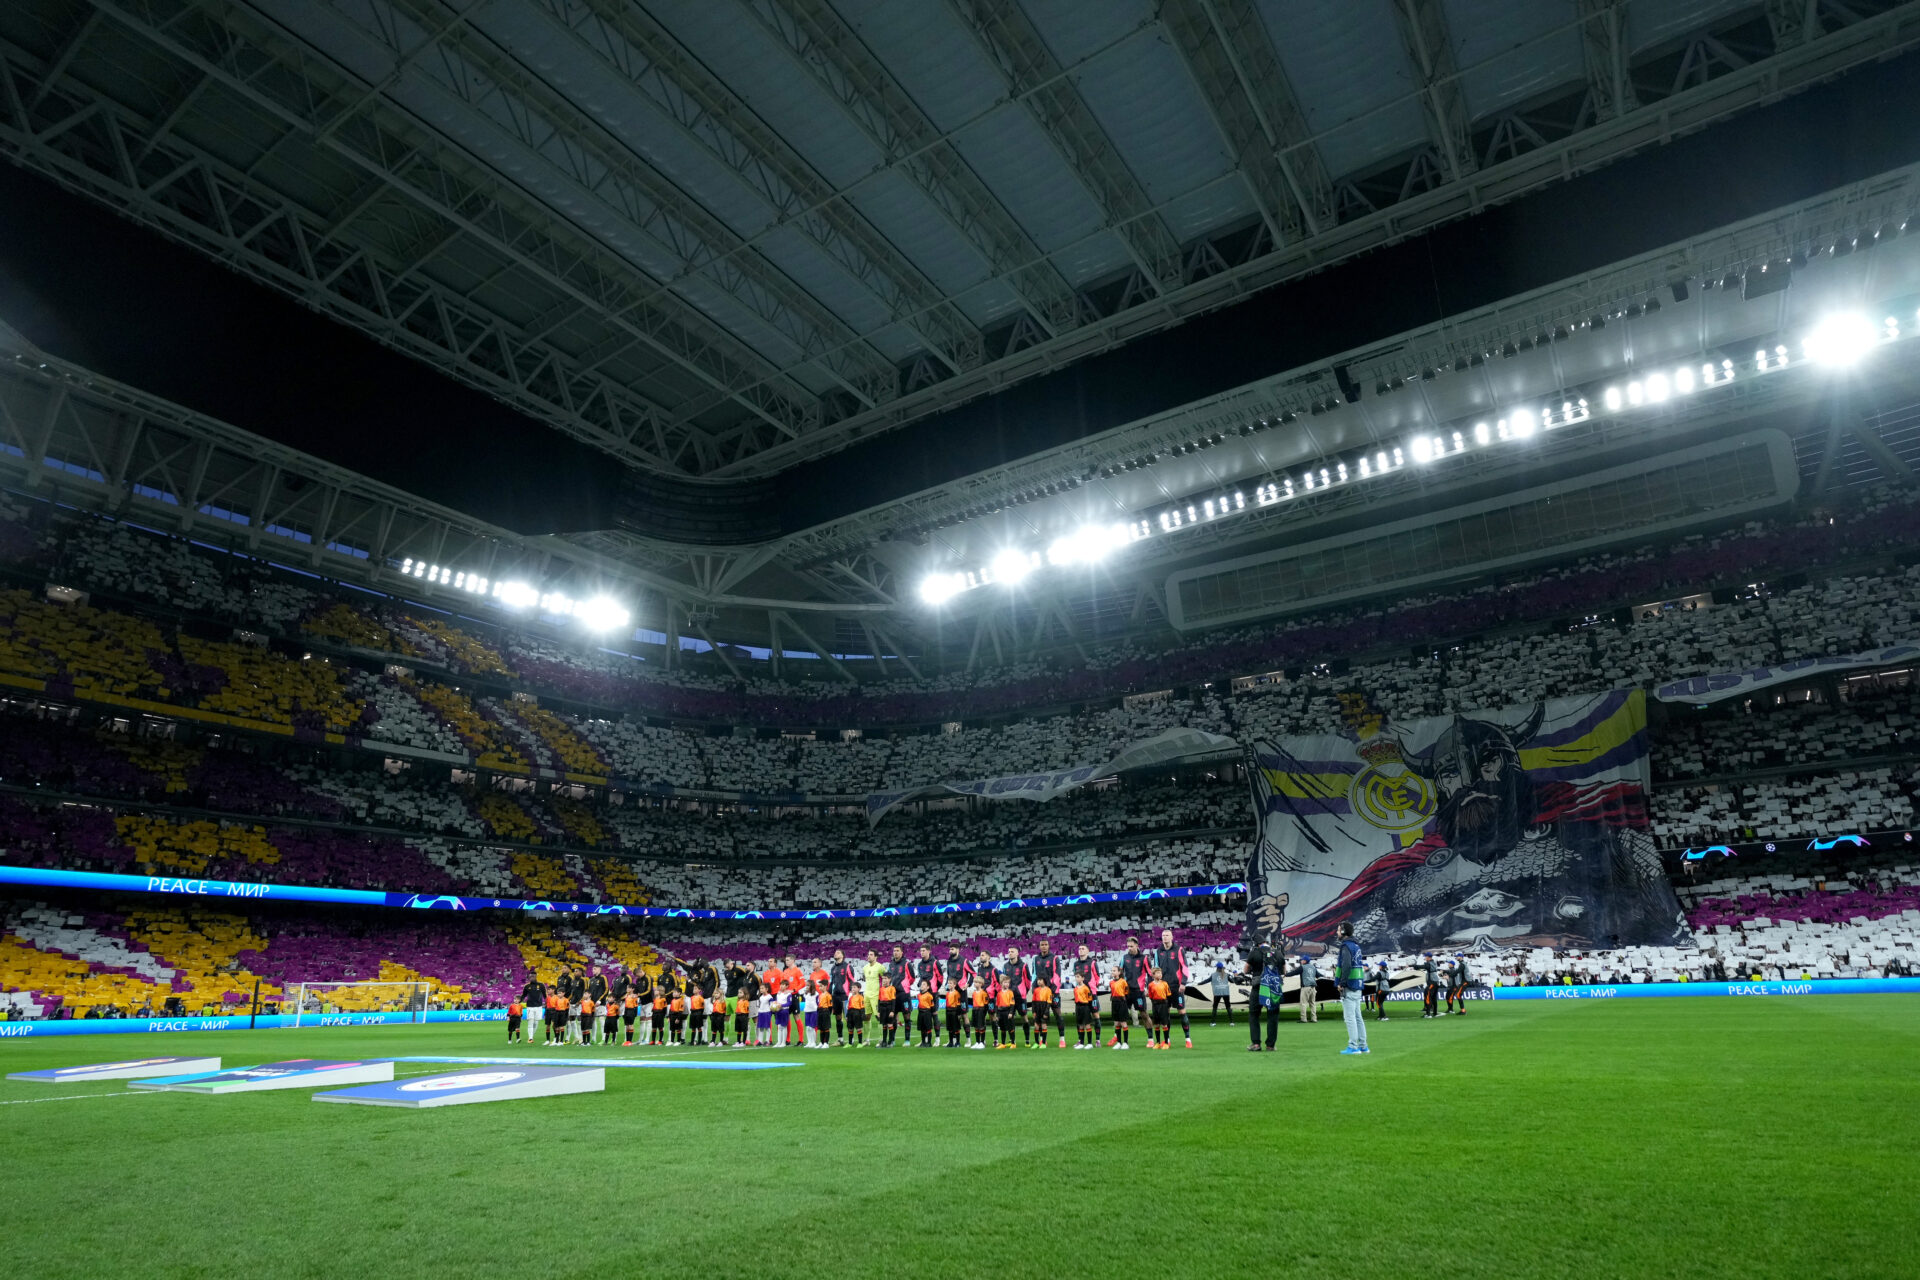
x=611 y=911
x=1079 y=900
x=1725 y=851
x=473 y=1080
x=444 y=902
x=1834 y=842
x=1009 y=904
x=679 y=913
x=818 y=915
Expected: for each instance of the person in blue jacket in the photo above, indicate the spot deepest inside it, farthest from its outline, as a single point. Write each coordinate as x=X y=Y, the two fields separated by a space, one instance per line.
x=1350 y=975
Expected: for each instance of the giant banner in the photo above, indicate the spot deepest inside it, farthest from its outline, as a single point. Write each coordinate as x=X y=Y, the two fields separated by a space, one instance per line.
x=1520 y=827
x=1162 y=748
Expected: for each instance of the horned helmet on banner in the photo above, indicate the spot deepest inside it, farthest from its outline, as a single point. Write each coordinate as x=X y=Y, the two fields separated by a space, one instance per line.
x=1486 y=798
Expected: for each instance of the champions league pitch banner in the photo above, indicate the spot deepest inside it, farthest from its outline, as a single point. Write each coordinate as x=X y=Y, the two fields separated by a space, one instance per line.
x=1522 y=827
x=294 y=1073
x=489 y=1084
x=130 y=1069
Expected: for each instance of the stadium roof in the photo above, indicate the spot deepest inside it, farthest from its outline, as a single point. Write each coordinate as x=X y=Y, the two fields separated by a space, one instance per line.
x=722 y=243
x=718 y=239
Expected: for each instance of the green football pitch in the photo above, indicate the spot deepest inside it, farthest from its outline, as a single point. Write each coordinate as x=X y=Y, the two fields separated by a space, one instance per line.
x=1683 y=1137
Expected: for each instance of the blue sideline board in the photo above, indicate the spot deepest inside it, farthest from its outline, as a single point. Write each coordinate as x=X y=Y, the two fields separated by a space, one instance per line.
x=1646 y=990
x=35 y=1029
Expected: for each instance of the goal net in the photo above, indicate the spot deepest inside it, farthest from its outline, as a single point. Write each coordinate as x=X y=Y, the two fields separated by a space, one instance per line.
x=310 y=1001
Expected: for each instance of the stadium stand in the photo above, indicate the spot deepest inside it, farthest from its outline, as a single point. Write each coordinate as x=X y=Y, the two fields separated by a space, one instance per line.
x=1572 y=612
x=307 y=659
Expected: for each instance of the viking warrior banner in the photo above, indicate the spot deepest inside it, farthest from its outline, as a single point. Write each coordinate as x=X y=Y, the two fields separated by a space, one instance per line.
x=1162 y=748
x=1515 y=828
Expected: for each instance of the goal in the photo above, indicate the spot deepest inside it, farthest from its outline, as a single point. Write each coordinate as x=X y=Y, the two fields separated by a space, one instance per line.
x=314 y=1000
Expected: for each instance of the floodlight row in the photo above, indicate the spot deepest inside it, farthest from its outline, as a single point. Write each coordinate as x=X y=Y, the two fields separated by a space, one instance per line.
x=1839 y=340
x=598 y=613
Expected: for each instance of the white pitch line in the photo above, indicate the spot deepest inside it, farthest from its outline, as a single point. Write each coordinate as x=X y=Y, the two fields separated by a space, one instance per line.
x=71 y=1097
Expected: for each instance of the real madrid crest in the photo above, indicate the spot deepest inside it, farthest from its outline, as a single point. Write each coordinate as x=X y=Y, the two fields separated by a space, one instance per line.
x=1386 y=794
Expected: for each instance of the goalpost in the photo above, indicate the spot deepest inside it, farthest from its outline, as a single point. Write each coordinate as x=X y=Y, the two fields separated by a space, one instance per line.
x=313 y=1000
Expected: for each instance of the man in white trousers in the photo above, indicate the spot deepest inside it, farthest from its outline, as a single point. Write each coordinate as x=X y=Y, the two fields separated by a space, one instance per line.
x=1350 y=974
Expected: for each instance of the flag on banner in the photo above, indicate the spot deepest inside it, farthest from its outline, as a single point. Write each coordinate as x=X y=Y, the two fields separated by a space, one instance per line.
x=1520 y=827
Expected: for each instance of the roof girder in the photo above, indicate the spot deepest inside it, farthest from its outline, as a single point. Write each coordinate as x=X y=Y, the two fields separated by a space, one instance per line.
x=822 y=44
x=1429 y=45
x=188 y=196
x=1231 y=59
x=632 y=44
x=488 y=83
x=1036 y=77
x=425 y=174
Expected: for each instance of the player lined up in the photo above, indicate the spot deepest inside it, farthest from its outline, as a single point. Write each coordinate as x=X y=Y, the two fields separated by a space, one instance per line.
x=951 y=1003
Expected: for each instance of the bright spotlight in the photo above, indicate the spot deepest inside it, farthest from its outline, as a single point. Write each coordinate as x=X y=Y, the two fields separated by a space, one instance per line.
x=1683 y=379
x=938 y=588
x=1658 y=388
x=1087 y=544
x=1842 y=339
x=1522 y=423
x=1613 y=399
x=516 y=595
x=1010 y=566
x=602 y=613
x=1422 y=447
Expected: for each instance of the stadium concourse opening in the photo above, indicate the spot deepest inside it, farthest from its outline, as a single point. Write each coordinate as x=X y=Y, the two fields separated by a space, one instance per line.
x=855 y=629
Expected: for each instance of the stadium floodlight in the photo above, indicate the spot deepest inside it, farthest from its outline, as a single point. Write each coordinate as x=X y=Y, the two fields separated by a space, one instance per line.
x=1010 y=566
x=1089 y=544
x=1523 y=423
x=1613 y=399
x=516 y=595
x=938 y=588
x=1842 y=339
x=1658 y=387
x=1683 y=379
x=603 y=613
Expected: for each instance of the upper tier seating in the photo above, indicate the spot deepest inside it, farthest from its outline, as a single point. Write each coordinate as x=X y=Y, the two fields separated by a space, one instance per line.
x=1819 y=617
